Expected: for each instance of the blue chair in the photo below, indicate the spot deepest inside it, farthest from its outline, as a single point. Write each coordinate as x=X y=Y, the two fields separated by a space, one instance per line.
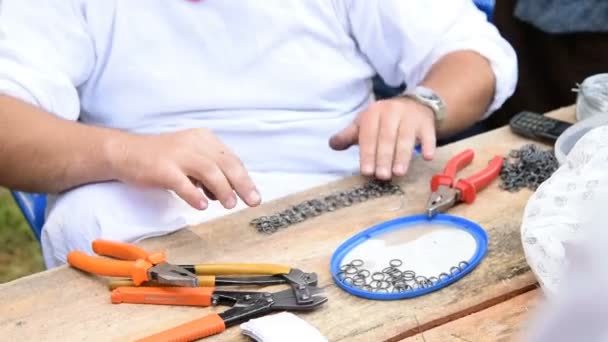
x=487 y=6
x=33 y=207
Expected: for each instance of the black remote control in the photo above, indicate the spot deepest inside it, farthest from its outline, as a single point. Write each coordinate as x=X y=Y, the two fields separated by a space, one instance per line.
x=537 y=126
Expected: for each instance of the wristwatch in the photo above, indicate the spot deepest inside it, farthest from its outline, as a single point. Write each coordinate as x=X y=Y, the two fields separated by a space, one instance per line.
x=429 y=98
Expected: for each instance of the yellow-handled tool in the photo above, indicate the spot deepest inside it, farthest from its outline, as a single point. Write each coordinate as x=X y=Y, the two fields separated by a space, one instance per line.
x=250 y=274
x=237 y=269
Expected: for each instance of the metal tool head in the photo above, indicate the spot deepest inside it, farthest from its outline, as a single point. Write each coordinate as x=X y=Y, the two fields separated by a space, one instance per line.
x=168 y=274
x=287 y=300
x=441 y=200
x=248 y=305
x=300 y=283
x=300 y=277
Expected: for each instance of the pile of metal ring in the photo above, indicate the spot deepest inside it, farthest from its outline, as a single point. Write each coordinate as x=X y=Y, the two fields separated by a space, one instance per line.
x=527 y=167
x=314 y=207
x=391 y=279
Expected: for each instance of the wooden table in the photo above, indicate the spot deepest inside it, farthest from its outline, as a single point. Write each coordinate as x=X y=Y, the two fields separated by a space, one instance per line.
x=487 y=305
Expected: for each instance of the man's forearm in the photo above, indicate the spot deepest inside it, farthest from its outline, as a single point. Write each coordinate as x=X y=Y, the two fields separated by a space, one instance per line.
x=466 y=82
x=43 y=153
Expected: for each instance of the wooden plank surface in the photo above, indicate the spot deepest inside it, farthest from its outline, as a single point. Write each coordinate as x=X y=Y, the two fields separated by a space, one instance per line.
x=500 y=323
x=63 y=302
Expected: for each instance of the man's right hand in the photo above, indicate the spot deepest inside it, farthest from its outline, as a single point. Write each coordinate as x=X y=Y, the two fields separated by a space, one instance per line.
x=177 y=161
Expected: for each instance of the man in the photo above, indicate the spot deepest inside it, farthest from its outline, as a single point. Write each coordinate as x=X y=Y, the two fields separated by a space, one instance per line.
x=125 y=108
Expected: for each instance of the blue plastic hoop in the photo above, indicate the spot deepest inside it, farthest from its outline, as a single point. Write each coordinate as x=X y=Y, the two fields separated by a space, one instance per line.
x=474 y=229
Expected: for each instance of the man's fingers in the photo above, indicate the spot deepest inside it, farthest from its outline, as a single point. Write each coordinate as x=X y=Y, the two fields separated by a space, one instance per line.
x=209 y=194
x=186 y=190
x=240 y=180
x=387 y=139
x=212 y=177
x=345 y=138
x=368 y=135
x=404 y=149
x=199 y=185
x=428 y=140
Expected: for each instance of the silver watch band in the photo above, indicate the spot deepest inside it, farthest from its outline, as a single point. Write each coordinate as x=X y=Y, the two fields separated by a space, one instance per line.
x=429 y=98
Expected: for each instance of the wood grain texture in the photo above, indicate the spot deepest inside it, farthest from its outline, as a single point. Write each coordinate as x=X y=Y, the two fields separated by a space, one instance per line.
x=64 y=302
x=500 y=323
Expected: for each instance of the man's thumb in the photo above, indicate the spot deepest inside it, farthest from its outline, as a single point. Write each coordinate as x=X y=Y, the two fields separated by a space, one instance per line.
x=345 y=138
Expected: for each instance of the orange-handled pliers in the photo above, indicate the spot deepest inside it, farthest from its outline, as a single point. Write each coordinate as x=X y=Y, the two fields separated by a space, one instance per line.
x=245 y=305
x=447 y=192
x=136 y=263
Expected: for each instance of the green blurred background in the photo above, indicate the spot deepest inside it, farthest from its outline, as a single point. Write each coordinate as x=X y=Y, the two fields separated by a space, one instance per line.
x=19 y=250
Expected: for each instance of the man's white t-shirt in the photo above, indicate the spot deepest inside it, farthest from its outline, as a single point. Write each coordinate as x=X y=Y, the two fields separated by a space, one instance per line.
x=273 y=79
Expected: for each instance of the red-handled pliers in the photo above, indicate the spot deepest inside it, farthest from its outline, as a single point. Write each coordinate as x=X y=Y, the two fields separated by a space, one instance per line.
x=446 y=192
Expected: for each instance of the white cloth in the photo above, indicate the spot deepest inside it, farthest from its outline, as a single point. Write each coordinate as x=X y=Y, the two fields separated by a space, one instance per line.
x=273 y=79
x=281 y=327
x=578 y=311
x=568 y=252
x=563 y=211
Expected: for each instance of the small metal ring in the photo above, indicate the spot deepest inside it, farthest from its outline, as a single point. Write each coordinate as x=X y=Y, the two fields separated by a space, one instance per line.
x=359 y=282
x=358 y=276
x=376 y=275
x=399 y=283
x=348 y=281
x=389 y=269
x=409 y=275
x=426 y=283
x=421 y=279
x=396 y=262
x=444 y=276
x=344 y=267
x=434 y=280
x=382 y=283
x=454 y=270
x=364 y=273
x=357 y=263
x=341 y=275
x=466 y=264
x=375 y=284
x=351 y=270
x=396 y=274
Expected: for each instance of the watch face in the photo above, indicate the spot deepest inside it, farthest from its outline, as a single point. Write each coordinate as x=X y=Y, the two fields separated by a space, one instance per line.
x=428 y=94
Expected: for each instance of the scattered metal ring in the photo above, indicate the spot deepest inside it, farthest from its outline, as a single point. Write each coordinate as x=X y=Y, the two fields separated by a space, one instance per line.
x=351 y=270
x=376 y=275
x=357 y=263
x=466 y=264
x=395 y=262
x=367 y=273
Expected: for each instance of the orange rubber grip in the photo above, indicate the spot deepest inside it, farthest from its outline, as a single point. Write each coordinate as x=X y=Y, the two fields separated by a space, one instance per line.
x=189 y=296
x=137 y=270
x=203 y=327
x=126 y=251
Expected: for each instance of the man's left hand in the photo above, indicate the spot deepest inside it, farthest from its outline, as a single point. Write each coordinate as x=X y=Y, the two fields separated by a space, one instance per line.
x=387 y=133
